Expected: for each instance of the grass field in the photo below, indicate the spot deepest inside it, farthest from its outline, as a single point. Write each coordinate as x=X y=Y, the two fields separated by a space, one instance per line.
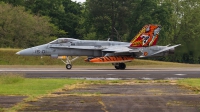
x=193 y=84
x=12 y=84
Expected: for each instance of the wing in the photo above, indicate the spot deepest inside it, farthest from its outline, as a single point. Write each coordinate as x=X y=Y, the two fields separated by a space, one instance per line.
x=122 y=50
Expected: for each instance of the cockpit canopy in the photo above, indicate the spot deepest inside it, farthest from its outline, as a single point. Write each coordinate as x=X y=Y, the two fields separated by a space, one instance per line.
x=62 y=40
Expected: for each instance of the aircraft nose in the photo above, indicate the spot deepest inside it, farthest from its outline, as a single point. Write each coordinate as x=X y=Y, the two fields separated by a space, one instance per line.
x=18 y=53
x=25 y=52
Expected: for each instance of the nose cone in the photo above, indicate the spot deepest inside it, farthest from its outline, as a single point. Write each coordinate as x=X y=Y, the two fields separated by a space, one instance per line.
x=18 y=53
x=25 y=52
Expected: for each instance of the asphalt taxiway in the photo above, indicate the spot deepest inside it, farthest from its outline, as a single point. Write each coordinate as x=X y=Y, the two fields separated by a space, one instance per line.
x=106 y=74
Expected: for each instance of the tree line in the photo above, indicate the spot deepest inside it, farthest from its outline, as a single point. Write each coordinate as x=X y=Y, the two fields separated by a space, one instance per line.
x=26 y=23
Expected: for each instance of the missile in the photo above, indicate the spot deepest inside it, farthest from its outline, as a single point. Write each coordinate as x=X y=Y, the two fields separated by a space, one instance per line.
x=110 y=59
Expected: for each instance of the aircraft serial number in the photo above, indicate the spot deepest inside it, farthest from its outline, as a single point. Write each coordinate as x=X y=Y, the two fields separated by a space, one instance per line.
x=40 y=51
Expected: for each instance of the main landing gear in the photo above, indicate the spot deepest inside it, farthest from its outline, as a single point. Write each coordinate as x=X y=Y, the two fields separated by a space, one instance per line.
x=120 y=66
x=68 y=62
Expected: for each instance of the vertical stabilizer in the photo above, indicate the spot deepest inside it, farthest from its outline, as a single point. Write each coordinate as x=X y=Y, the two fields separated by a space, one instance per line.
x=148 y=36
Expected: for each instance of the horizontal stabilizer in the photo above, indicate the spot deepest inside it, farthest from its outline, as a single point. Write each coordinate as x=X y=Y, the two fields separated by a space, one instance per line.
x=167 y=48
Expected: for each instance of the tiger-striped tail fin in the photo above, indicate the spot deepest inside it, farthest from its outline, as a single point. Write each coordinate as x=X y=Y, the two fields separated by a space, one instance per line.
x=148 y=36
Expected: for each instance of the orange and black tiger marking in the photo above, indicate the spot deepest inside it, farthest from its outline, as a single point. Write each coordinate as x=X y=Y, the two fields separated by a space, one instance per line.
x=111 y=59
x=148 y=36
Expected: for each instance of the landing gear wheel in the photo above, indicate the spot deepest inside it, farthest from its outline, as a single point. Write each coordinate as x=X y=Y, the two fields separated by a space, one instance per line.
x=68 y=66
x=68 y=62
x=122 y=66
x=117 y=67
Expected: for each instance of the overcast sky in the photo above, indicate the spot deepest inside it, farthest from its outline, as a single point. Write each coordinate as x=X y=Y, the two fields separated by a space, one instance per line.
x=79 y=1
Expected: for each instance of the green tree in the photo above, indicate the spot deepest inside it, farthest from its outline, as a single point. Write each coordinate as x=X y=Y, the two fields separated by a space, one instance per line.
x=186 y=30
x=14 y=2
x=106 y=17
x=63 y=13
x=20 y=29
x=70 y=20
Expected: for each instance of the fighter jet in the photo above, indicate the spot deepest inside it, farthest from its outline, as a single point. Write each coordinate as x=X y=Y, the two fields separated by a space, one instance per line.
x=115 y=52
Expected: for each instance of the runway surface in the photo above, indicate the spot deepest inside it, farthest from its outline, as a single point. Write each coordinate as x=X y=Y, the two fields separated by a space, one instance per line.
x=106 y=74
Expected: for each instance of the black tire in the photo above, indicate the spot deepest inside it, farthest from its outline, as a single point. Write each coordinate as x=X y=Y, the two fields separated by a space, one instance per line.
x=117 y=67
x=68 y=66
x=122 y=66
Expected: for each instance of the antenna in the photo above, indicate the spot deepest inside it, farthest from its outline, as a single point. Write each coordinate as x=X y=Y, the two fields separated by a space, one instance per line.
x=118 y=37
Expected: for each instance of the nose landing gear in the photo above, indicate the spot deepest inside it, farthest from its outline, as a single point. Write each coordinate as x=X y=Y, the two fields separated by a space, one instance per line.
x=68 y=62
x=68 y=66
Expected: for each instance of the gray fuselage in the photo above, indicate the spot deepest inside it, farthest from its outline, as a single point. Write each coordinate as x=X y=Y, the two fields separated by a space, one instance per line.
x=90 y=48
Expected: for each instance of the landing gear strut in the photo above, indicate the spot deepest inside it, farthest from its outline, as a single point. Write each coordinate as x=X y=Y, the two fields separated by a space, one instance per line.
x=68 y=62
x=120 y=66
